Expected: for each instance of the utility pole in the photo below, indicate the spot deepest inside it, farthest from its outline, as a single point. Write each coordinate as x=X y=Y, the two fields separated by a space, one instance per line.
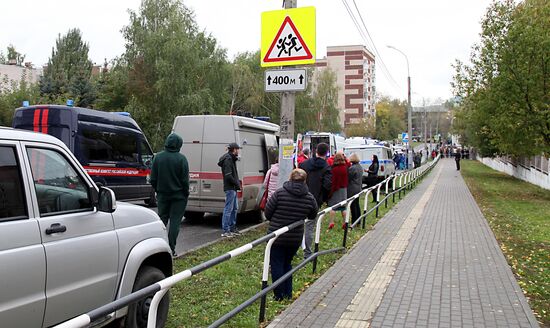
x=425 y=127
x=286 y=141
x=409 y=123
x=409 y=112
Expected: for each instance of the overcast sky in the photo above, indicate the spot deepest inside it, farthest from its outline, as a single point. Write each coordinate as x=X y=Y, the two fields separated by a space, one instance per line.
x=433 y=33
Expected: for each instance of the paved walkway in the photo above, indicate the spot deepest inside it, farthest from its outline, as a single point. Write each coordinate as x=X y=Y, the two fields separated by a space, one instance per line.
x=432 y=261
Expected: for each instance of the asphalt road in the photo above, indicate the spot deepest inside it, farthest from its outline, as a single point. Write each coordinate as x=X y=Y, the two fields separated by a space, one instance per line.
x=196 y=233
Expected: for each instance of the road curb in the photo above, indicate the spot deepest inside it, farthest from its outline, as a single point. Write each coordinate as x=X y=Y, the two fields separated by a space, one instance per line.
x=218 y=239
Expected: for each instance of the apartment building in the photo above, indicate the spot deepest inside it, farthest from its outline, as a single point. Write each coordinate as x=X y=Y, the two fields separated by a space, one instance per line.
x=354 y=68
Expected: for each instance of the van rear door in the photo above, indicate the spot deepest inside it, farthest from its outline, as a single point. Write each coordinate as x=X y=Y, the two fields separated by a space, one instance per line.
x=219 y=131
x=191 y=129
x=53 y=121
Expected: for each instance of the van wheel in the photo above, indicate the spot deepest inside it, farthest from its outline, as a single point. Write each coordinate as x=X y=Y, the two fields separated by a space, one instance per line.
x=152 y=201
x=138 y=312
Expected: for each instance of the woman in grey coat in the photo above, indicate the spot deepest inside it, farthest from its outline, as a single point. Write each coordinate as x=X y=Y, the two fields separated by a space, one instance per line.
x=355 y=185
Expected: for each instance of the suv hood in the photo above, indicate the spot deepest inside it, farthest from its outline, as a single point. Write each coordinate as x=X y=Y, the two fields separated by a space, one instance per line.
x=128 y=215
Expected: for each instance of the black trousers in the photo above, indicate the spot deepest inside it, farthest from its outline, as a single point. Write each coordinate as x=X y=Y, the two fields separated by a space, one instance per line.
x=355 y=210
x=372 y=181
x=281 y=263
x=457 y=165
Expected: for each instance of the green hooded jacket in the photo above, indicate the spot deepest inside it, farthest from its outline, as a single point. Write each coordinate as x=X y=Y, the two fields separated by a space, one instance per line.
x=170 y=172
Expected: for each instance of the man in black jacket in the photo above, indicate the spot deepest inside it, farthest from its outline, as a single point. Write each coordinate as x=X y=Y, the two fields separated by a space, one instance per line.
x=293 y=202
x=457 y=159
x=319 y=181
x=231 y=185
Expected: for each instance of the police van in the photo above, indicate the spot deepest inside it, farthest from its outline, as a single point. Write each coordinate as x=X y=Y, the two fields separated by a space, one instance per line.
x=205 y=140
x=365 y=152
x=110 y=146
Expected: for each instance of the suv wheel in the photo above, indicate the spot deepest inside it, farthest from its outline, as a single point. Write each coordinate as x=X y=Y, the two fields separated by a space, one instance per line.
x=138 y=312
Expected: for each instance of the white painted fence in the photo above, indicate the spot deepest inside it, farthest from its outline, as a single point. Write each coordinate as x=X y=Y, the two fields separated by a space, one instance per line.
x=535 y=171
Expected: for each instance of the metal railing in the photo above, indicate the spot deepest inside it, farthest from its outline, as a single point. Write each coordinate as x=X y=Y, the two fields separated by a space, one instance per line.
x=406 y=180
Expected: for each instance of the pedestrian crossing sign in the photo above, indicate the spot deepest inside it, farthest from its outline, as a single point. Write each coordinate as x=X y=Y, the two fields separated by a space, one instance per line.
x=288 y=37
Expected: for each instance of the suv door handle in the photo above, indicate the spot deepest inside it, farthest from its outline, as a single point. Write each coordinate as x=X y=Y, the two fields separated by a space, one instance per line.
x=55 y=228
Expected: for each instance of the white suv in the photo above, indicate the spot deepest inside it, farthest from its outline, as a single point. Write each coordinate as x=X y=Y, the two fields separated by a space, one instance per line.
x=66 y=246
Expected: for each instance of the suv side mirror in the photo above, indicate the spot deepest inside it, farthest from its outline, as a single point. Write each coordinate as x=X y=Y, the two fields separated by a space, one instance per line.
x=107 y=200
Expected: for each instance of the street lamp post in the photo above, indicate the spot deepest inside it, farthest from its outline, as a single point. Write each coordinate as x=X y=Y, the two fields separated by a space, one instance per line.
x=409 y=120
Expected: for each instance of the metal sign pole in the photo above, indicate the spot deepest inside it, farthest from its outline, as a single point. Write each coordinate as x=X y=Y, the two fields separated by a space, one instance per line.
x=286 y=141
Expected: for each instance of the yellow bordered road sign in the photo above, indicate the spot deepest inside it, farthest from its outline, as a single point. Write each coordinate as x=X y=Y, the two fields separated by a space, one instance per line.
x=288 y=37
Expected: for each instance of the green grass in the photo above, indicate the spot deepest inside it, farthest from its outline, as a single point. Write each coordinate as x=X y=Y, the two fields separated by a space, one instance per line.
x=519 y=215
x=204 y=298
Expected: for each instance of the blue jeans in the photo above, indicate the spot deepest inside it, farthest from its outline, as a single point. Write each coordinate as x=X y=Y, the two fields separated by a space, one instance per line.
x=281 y=263
x=229 y=218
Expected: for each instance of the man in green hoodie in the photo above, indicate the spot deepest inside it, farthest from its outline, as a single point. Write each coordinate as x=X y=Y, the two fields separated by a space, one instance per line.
x=170 y=179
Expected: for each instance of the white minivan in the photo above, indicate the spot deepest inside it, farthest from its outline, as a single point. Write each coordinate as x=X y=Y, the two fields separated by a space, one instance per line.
x=365 y=152
x=205 y=140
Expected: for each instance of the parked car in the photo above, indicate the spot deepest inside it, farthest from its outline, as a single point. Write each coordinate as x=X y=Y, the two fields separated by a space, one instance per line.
x=110 y=146
x=66 y=246
x=205 y=140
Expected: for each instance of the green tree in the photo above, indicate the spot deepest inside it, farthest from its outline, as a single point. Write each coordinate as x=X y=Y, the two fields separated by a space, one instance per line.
x=325 y=102
x=174 y=68
x=247 y=88
x=13 y=54
x=12 y=95
x=364 y=129
x=112 y=87
x=390 y=118
x=504 y=90
x=68 y=73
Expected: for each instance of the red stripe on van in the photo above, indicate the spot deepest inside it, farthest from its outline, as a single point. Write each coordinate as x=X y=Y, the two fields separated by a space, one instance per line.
x=36 y=121
x=218 y=176
x=205 y=175
x=45 y=121
x=116 y=171
x=253 y=180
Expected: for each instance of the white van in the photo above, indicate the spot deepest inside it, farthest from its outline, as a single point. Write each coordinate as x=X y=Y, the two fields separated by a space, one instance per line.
x=385 y=159
x=205 y=140
x=312 y=139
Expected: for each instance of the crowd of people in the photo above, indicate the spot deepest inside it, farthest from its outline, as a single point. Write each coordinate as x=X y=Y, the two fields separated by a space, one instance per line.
x=316 y=181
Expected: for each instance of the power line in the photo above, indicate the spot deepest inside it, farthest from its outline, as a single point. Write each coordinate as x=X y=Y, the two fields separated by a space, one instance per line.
x=370 y=43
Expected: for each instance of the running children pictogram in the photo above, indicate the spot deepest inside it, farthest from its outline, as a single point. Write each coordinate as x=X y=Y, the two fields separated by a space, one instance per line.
x=288 y=37
x=287 y=45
